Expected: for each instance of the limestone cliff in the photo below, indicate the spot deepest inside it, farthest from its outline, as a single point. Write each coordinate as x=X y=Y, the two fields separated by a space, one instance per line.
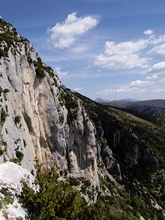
x=40 y=118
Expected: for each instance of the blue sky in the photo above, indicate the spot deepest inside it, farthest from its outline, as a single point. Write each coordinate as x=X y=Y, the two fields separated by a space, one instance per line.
x=113 y=49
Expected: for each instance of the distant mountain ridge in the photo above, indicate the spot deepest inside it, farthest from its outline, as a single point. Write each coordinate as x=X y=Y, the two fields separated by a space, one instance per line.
x=160 y=103
x=100 y=100
x=155 y=107
x=151 y=107
x=116 y=103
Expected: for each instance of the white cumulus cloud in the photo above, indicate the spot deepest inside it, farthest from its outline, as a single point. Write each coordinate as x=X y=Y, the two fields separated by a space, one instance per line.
x=64 y=34
x=148 y=32
x=124 y=55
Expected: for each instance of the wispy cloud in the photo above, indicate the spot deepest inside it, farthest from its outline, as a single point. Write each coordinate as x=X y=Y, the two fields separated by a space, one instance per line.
x=158 y=68
x=141 y=83
x=159 y=90
x=157 y=40
x=159 y=49
x=64 y=35
x=79 y=49
x=78 y=89
x=137 y=86
x=152 y=77
x=60 y=73
x=122 y=90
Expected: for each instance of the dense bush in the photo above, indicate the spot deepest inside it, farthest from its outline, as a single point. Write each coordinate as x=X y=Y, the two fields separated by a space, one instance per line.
x=40 y=72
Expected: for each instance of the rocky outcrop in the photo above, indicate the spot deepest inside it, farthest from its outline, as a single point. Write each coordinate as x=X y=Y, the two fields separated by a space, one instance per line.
x=10 y=189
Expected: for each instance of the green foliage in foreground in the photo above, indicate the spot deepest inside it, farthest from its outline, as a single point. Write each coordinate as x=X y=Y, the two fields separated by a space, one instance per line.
x=58 y=200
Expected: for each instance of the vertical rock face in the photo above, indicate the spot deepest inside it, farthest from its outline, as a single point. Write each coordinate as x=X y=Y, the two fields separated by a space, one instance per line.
x=39 y=117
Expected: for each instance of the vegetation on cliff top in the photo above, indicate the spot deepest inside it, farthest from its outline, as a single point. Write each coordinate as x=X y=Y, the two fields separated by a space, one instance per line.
x=8 y=38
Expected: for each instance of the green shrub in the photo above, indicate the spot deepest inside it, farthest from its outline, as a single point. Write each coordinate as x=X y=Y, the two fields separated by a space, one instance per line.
x=54 y=200
x=1 y=90
x=7 y=199
x=19 y=155
x=17 y=119
x=40 y=72
x=49 y=70
x=3 y=116
x=6 y=90
x=74 y=182
x=6 y=107
x=1 y=152
x=40 y=69
x=29 y=59
x=15 y=160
